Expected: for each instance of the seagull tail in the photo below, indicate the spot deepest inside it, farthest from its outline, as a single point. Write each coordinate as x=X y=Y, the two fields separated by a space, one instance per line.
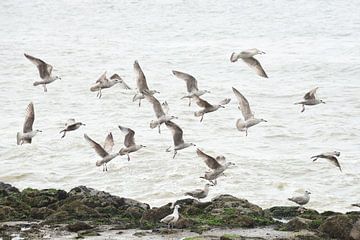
x=95 y=88
x=18 y=138
x=198 y=114
x=153 y=124
x=36 y=83
x=122 y=152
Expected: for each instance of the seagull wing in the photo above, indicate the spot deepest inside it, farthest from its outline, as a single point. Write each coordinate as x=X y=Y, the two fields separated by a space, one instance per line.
x=225 y=101
x=122 y=83
x=234 y=57
x=70 y=122
x=168 y=218
x=334 y=161
x=311 y=94
x=109 y=143
x=129 y=137
x=191 y=82
x=29 y=118
x=102 y=78
x=210 y=161
x=44 y=68
x=299 y=200
x=201 y=103
x=255 y=65
x=140 y=78
x=97 y=147
x=165 y=107
x=243 y=104
x=159 y=112
x=176 y=132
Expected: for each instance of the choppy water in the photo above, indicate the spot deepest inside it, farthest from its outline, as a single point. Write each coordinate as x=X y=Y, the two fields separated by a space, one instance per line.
x=308 y=44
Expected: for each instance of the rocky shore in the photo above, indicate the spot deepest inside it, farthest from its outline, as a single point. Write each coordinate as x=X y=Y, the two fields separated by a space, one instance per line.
x=88 y=213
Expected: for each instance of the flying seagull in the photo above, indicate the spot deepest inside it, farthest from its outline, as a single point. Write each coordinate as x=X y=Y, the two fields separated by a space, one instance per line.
x=248 y=57
x=207 y=107
x=129 y=142
x=45 y=71
x=71 y=125
x=199 y=193
x=103 y=82
x=28 y=132
x=301 y=200
x=171 y=219
x=217 y=165
x=191 y=85
x=161 y=115
x=141 y=84
x=177 y=133
x=249 y=118
x=105 y=151
x=310 y=99
x=331 y=156
x=356 y=205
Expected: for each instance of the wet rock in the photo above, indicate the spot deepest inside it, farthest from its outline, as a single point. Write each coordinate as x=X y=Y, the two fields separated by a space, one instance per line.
x=355 y=231
x=286 y=212
x=338 y=227
x=296 y=224
x=7 y=189
x=152 y=217
x=40 y=213
x=42 y=198
x=78 y=226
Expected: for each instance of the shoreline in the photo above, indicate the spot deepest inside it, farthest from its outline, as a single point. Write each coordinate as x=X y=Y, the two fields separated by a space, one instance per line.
x=88 y=213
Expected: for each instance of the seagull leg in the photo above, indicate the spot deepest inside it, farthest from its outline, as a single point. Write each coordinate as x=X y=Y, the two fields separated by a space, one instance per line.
x=159 y=128
x=100 y=93
x=97 y=95
x=189 y=102
x=168 y=149
x=246 y=132
x=139 y=102
x=175 y=152
x=104 y=168
x=202 y=116
x=128 y=157
x=303 y=108
x=45 y=89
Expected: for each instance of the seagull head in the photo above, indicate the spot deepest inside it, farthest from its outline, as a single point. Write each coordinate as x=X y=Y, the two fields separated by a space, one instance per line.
x=263 y=120
x=307 y=192
x=57 y=77
x=259 y=51
x=209 y=185
x=142 y=146
x=37 y=130
x=82 y=124
x=322 y=101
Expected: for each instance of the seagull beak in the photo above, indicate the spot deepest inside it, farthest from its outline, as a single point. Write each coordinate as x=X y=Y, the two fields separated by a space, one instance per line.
x=222 y=106
x=262 y=52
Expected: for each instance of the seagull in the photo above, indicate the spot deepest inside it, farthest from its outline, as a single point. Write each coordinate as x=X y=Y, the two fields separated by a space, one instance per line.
x=160 y=114
x=191 y=84
x=121 y=81
x=28 y=132
x=249 y=118
x=103 y=82
x=331 y=156
x=171 y=219
x=214 y=164
x=103 y=152
x=129 y=142
x=200 y=193
x=356 y=205
x=45 y=71
x=177 y=133
x=141 y=84
x=248 y=57
x=310 y=99
x=301 y=200
x=71 y=125
x=207 y=107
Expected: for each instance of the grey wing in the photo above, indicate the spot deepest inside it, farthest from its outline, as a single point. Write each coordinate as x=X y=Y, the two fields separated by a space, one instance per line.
x=191 y=83
x=234 y=57
x=167 y=219
x=255 y=64
x=334 y=161
x=124 y=85
x=129 y=137
x=176 y=132
x=210 y=161
x=225 y=101
x=70 y=121
x=165 y=107
x=109 y=143
x=29 y=118
x=156 y=105
x=140 y=78
x=98 y=149
x=299 y=199
x=311 y=94
x=201 y=103
x=44 y=68
x=243 y=104
x=121 y=81
x=102 y=78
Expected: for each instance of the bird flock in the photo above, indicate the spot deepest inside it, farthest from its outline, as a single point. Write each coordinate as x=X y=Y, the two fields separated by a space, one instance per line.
x=217 y=165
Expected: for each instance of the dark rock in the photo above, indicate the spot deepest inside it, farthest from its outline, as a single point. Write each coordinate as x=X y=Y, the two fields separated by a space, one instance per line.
x=296 y=224
x=338 y=227
x=285 y=212
x=355 y=231
x=152 y=217
x=40 y=213
x=58 y=217
x=7 y=189
x=42 y=198
x=78 y=226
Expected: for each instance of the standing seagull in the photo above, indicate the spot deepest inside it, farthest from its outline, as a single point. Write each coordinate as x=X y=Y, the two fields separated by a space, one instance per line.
x=191 y=85
x=177 y=133
x=171 y=219
x=331 y=156
x=207 y=107
x=200 y=193
x=301 y=200
x=141 y=84
x=248 y=57
x=103 y=152
x=310 y=99
x=249 y=118
x=28 y=133
x=44 y=71
x=129 y=142
x=159 y=112
x=103 y=82
x=71 y=125
x=214 y=164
